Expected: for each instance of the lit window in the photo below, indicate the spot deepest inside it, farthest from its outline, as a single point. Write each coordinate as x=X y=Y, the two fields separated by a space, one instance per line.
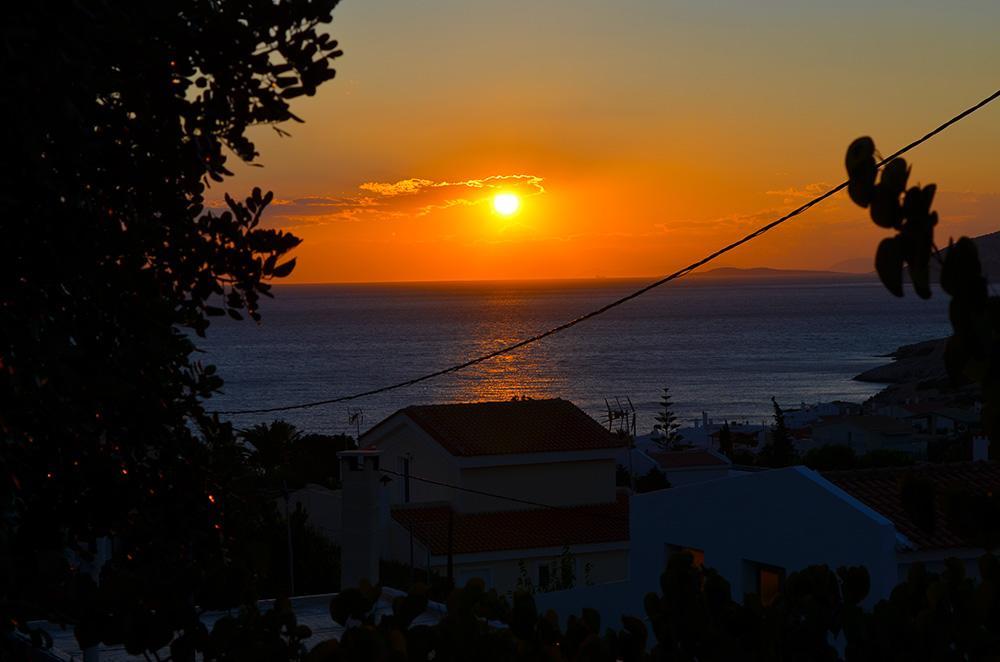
x=697 y=555
x=766 y=581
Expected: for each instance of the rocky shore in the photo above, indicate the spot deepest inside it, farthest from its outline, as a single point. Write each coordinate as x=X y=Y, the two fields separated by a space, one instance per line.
x=917 y=374
x=910 y=363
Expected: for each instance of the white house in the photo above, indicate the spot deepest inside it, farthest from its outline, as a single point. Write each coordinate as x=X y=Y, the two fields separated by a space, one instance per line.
x=553 y=465
x=757 y=528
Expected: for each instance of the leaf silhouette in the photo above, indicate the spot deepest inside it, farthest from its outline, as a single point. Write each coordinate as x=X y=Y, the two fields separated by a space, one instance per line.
x=861 y=170
x=889 y=264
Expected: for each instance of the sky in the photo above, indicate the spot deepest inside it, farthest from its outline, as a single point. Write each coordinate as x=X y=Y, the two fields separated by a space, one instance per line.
x=638 y=136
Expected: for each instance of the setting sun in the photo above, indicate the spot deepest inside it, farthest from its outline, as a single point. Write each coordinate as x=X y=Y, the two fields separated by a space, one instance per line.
x=506 y=203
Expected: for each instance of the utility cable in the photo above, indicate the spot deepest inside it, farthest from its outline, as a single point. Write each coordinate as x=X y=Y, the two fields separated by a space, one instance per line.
x=524 y=502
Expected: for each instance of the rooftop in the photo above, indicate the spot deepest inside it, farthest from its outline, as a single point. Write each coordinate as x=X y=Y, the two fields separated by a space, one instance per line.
x=510 y=427
x=517 y=529
x=880 y=490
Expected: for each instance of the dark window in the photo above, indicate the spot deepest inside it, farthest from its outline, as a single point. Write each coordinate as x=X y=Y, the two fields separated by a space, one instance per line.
x=543 y=575
x=404 y=465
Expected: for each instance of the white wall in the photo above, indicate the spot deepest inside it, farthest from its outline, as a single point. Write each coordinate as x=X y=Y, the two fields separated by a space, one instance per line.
x=554 y=484
x=399 y=437
x=691 y=476
x=790 y=518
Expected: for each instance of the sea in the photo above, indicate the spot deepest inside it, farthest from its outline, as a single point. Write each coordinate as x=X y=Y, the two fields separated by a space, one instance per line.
x=722 y=346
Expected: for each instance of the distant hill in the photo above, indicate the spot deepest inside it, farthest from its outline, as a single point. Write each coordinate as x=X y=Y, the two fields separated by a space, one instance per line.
x=765 y=273
x=856 y=265
x=989 y=254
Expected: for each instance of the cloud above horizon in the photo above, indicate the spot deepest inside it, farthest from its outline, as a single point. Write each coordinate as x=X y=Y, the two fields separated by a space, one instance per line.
x=411 y=197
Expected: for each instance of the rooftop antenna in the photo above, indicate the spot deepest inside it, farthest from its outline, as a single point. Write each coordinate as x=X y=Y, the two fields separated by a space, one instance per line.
x=615 y=414
x=622 y=416
x=631 y=409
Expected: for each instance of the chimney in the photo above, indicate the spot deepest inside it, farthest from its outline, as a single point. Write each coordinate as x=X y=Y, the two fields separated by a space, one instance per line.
x=980 y=448
x=360 y=517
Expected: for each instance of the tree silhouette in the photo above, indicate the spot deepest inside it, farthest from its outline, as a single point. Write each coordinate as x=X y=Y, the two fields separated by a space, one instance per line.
x=667 y=422
x=779 y=450
x=119 y=117
x=726 y=440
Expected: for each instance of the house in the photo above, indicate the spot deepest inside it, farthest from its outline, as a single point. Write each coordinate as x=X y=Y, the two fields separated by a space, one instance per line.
x=441 y=467
x=868 y=433
x=754 y=529
x=757 y=528
x=927 y=529
x=947 y=420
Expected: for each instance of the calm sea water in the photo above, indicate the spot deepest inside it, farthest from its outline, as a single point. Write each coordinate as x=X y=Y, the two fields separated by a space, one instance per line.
x=721 y=347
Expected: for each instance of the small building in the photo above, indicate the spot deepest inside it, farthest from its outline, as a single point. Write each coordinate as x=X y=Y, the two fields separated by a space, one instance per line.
x=552 y=465
x=945 y=420
x=868 y=433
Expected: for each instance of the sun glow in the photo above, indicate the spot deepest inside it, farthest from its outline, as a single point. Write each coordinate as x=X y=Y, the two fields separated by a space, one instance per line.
x=506 y=204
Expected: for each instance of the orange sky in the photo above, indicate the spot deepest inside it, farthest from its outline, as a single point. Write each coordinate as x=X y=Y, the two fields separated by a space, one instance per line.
x=640 y=135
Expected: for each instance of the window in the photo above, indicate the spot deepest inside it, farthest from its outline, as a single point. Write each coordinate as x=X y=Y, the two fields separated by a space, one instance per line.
x=766 y=581
x=697 y=555
x=544 y=575
x=404 y=468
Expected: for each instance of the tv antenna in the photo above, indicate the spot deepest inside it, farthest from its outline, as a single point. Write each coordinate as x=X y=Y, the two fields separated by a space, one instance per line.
x=620 y=416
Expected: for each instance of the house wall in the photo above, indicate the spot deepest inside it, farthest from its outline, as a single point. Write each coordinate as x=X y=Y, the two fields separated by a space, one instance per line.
x=788 y=518
x=399 y=437
x=504 y=569
x=554 y=483
x=609 y=562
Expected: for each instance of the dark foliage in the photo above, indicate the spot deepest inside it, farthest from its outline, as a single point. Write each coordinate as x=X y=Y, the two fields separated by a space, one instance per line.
x=287 y=458
x=779 y=450
x=726 y=440
x=654 y=479
x=819 y=614
x=973 y=351
x=119 y=115
x=666 y=422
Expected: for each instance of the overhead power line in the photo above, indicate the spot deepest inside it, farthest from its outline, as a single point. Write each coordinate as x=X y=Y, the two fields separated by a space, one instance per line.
x=524 y=502
x=680 y=273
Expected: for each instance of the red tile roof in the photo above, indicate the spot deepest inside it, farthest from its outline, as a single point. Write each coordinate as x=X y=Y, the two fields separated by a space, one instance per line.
x=514 y=426
x=879 y=489
x=688 y=459
x=516 y=529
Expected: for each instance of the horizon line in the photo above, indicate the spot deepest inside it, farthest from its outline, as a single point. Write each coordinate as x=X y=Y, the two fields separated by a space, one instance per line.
x=557 y=279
